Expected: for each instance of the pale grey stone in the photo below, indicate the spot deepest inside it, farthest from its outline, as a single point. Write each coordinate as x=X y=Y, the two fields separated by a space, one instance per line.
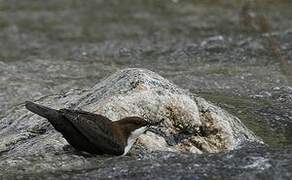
x=190 y=123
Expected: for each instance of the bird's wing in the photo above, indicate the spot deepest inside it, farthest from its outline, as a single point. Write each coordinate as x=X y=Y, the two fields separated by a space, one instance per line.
x=96 y=128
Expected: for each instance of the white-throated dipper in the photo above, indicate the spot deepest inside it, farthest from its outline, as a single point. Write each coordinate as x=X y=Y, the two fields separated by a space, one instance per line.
x=93 y=133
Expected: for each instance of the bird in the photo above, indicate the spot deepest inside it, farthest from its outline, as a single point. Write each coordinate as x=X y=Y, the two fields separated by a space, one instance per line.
x=93 y=133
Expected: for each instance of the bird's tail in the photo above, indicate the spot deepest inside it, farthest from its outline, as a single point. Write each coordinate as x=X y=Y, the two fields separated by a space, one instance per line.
x=43 y=111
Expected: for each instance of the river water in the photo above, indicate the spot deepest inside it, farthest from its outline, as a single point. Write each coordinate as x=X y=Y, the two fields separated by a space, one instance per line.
x=236 y=54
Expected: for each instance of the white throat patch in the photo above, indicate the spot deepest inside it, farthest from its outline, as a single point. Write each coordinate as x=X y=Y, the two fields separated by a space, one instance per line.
x=134 y=135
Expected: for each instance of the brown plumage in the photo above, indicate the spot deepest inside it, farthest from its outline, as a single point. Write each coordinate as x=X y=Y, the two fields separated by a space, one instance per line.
x=93 y=133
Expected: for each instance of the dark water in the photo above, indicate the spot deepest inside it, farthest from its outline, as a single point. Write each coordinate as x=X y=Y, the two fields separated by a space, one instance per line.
x=211 y=48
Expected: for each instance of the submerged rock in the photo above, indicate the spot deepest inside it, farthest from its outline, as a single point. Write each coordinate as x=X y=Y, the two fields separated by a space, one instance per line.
x=190 y=123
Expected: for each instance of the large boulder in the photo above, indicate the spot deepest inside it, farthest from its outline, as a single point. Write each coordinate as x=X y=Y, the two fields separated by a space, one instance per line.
x=190 y=123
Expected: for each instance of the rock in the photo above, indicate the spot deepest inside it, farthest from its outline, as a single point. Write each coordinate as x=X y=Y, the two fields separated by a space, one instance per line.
x=191 y=124
x=250 y=163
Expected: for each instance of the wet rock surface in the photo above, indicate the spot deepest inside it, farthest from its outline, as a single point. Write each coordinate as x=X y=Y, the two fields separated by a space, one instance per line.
x=249 y=163
x=50 y=47
x=188 y=124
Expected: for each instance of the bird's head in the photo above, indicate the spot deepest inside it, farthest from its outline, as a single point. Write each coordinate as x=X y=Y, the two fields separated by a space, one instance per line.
x=134 y=126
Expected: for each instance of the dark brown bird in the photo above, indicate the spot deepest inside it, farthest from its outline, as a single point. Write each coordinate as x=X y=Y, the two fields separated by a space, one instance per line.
x=93 y=133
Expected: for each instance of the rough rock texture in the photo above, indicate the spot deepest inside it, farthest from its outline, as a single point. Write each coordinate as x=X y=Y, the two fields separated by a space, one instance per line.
x=251 y=163
x=190 y=124
x=212 y=48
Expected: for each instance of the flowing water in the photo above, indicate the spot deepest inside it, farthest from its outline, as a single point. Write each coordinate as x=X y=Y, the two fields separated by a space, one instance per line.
x=236 y=54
